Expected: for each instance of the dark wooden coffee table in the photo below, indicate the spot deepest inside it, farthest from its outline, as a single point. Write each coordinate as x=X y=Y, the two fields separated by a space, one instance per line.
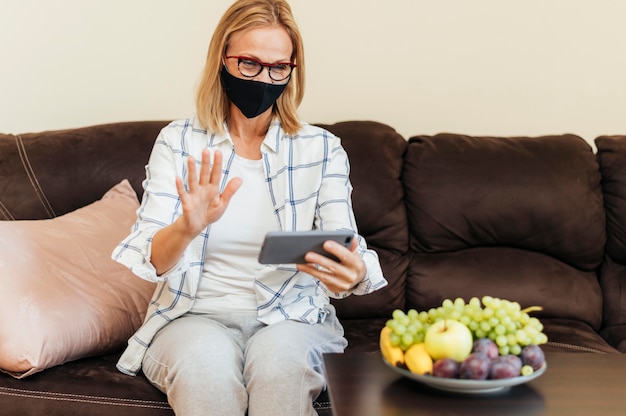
x=360 y=384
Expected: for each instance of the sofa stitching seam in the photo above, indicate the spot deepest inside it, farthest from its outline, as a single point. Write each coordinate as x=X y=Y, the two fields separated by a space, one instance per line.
x=83 y=398
x=576 y=347
x=6 y=214
x=30 y=172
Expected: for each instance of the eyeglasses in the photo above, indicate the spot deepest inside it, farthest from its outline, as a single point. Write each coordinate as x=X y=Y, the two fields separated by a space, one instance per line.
x=250 y=68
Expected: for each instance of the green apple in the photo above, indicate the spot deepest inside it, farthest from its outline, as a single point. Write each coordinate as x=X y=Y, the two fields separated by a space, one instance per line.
x=448 y=338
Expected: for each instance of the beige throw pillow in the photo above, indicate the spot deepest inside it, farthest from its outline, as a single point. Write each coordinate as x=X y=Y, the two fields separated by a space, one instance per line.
x=63 y=297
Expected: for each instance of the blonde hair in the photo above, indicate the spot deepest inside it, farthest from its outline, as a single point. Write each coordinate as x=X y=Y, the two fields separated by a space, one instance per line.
x=212 y=105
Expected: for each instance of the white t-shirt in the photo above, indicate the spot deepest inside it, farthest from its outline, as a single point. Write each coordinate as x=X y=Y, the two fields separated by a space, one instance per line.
x=234 y=243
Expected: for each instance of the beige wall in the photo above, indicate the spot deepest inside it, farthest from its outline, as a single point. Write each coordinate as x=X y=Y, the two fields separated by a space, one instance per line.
x=500 y=67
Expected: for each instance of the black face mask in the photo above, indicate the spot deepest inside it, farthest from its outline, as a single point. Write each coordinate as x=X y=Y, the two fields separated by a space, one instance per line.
x=251 y=97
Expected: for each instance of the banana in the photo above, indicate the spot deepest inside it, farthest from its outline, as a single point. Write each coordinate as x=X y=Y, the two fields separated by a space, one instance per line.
x=418 y=360
x=392 y=354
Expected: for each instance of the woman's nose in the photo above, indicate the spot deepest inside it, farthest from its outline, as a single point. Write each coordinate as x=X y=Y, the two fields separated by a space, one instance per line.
x=264 y=76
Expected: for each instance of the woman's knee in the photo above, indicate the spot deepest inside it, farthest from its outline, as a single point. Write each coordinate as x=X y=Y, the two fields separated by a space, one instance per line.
x=196 y=360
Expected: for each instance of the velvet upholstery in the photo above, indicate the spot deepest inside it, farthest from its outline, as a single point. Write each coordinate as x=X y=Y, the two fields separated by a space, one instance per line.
x=449 y=215
x=48 y=174
x=612 y=160
x=378 y=200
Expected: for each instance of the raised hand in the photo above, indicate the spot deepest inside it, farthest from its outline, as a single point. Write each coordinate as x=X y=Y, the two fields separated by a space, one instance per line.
x=203 y=204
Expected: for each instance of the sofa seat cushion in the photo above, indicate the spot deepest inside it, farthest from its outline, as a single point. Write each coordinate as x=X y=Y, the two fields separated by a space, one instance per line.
x=574 y=336
x=90 y=386
x=64 y=298
x=616 y=336
x=363 y=335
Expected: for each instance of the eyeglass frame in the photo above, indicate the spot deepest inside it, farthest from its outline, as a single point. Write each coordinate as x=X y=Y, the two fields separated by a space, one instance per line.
x=262 y=64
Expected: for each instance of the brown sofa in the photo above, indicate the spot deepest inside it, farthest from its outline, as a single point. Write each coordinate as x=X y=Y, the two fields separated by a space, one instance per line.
x=538 y=220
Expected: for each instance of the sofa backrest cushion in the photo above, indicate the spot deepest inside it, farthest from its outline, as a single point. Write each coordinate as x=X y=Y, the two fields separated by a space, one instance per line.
x=612 y=159
x=44 y=175
x=520 y=217
x=376 y=153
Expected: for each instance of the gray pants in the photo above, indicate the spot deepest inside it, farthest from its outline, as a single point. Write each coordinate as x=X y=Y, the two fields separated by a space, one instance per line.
x=228 y=365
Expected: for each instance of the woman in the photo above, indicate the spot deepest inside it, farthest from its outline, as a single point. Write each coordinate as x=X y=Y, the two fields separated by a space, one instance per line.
x=224 y=334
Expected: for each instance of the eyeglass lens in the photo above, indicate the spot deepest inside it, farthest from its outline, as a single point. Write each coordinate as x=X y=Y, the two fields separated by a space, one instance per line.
x=250 y=68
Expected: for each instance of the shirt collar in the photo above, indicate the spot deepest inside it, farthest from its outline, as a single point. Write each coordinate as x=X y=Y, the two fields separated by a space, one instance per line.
x=275 y=134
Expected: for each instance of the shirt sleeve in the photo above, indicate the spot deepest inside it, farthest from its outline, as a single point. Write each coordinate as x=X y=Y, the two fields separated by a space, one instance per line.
x=335 y=212
x=160 y=206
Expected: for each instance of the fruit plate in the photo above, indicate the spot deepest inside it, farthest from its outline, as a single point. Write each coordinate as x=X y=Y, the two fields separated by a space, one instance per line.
x=456 y=385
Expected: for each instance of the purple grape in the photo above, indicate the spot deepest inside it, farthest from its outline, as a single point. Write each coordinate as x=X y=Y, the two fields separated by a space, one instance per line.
x=487 y=346
x=513 y=360
x=446 y=367
x=475 y=366
x=533 y=356
x=503 y=369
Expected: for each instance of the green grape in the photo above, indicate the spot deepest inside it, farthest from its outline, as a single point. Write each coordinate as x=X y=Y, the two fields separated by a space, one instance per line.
x=477 y=315
x=456 y=315
x=521 y=337
x=516 y=349
x=511 y=339
x=501 y=340
x=397 y=314
x=485 y=326
x=501 y=320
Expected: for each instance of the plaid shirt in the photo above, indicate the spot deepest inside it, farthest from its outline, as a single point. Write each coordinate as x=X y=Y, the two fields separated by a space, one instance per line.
x=307 y=179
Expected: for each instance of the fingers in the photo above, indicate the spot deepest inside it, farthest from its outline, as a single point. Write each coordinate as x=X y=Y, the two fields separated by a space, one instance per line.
x=180 y=188
x=231 y=188
x=203 y=189
x=216 y=170
x=338 y=281
x=336 y=276
x=192 y=179
x=210 y=173
x=205 y=168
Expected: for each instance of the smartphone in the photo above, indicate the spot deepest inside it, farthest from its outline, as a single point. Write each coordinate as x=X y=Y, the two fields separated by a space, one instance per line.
x=287 y=247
